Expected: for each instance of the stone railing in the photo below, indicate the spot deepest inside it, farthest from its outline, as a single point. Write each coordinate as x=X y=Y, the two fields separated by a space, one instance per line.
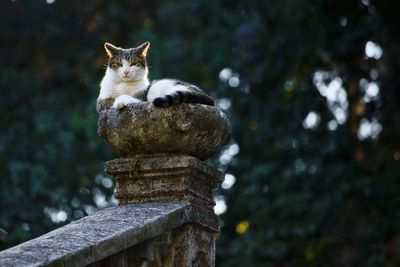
x=165 y=214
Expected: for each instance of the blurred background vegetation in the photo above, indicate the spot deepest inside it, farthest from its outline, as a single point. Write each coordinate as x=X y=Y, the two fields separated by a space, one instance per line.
x=310 y=86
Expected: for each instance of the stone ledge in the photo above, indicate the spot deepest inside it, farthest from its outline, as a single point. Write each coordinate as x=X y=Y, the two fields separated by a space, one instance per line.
x=104 y=233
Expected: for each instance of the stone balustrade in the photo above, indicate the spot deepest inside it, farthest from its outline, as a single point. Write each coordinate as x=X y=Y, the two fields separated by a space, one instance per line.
x=165 y=214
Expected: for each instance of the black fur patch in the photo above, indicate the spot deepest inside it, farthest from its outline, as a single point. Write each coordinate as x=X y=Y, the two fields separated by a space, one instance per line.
x=195 y=96
x=170 y=100
x=159 y=101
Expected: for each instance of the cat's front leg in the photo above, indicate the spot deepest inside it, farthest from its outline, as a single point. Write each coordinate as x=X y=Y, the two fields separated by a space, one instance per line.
x=124 y=100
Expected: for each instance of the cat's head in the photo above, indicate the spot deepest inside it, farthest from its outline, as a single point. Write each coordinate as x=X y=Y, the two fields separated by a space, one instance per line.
x=127 y=64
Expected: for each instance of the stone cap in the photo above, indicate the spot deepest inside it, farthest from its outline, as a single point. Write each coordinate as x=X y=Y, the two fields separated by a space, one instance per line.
x=191 y=129
x=103 y=234
x=161 y=164
x=164 y=178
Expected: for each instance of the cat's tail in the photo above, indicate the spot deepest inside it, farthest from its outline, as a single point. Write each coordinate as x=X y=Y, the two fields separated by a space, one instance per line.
x=183 y=97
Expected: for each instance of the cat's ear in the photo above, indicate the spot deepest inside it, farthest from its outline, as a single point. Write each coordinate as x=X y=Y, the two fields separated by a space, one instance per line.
x=110 y=49
x=141 y=50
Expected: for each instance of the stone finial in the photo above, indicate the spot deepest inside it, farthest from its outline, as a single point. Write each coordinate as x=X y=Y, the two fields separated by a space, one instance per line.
x=189 y=129
x=161 y=151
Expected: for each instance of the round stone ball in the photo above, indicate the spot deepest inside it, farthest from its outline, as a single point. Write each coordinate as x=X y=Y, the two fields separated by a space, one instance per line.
x=141 y=128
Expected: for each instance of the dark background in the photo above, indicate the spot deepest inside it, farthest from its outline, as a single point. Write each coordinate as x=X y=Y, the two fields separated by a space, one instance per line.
x=311 y=88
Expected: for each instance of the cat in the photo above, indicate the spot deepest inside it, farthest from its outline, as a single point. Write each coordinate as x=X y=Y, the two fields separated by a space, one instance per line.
x=126 y=81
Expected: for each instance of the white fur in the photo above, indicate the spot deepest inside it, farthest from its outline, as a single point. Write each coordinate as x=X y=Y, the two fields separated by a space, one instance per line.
x=123 y=100
x=123 y=87
x=164 y=87
x=115 y=83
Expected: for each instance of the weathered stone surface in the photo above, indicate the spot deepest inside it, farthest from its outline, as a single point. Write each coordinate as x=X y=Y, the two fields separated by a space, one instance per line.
x=177 y=232
x=174 y=179
x=164 y=178
x=191 y=129
x=168 y=178
x=100 y=235
x=189 y=245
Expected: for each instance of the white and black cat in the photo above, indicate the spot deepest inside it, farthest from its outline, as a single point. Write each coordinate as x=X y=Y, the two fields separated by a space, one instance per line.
x=126 y=82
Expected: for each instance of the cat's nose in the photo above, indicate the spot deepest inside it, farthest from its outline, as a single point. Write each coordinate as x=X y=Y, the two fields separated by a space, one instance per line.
x=126 y=72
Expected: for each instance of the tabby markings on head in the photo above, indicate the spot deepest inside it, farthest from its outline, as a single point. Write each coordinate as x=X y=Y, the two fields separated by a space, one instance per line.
x=116 y=61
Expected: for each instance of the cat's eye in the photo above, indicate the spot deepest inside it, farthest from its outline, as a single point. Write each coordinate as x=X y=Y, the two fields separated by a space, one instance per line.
x=116 y=65
x=135 y=64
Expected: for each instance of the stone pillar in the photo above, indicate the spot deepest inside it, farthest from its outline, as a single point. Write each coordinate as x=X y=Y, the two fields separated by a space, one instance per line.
x=170 y=178
x=160 y=152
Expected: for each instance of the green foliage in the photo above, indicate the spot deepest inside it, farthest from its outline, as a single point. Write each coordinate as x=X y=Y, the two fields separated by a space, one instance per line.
x=306 y=194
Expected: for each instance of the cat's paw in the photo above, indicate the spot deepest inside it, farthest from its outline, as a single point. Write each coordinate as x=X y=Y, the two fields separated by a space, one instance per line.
x=119 y=104
x=123 y=100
